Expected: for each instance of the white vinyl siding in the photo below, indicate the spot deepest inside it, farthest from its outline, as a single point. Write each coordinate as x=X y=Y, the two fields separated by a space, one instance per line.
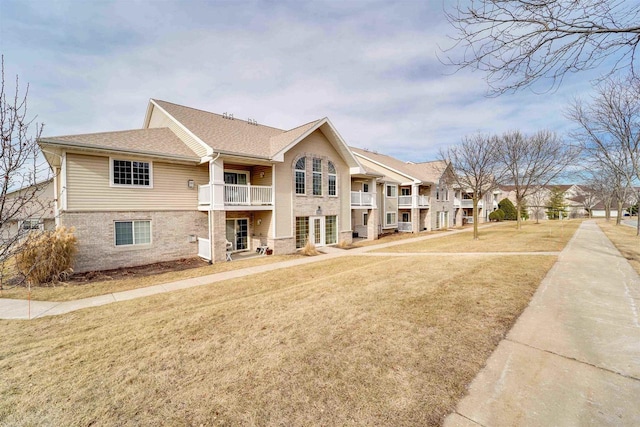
x=88 y=186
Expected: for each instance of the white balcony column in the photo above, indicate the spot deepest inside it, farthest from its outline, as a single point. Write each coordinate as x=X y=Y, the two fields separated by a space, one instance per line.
x=216 y=179
x=374 y=196
x=415 y=189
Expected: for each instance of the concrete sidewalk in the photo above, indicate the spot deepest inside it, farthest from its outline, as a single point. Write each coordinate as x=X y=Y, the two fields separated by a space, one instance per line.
x=573 y=356
x=20 y=309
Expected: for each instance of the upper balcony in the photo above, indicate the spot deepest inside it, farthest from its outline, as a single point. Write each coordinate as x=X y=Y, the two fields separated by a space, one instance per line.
x=407 y=201
x=236 y=195
x=360 y=199
x=468 y=203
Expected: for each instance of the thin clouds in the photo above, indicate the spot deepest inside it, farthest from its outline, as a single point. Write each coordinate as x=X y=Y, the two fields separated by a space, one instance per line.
x=371 y=67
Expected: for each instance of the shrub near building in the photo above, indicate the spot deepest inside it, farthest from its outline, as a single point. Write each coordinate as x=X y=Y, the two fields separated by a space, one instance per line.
x=497 y=215
x=48 y=256
x=509 y=210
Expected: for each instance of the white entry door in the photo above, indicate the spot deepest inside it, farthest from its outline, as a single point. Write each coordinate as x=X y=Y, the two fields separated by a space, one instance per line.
x=316 y=230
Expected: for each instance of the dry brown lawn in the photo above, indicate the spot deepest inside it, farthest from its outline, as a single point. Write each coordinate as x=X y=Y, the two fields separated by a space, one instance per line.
x=67 y=291
x=351 y=341
x=394 y=237
x=624 y=238
x=502 y=237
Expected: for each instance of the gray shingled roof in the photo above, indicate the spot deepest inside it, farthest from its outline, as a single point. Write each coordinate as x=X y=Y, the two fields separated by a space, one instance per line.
x=234 y=135
x=157 y=141
x=425 y=171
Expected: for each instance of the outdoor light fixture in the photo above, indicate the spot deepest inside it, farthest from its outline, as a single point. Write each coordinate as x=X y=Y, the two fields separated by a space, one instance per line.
x=262 y=174
x=319 y=211
x=259 y=221
x=191 y=183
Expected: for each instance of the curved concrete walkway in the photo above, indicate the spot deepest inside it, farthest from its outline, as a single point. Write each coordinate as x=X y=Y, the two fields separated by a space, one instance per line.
x=573 y=356
x=19 y=309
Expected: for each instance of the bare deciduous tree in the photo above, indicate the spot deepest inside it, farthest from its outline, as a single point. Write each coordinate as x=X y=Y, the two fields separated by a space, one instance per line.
x=474 y=165
x=20 y=177
x=609 y=132
x=537 y=200
x=532 y=162
x=520 y=42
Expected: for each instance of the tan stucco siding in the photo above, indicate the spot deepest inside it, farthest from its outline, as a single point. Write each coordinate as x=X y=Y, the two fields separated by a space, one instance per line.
x=159 y=119
x=289 y=205
x=89 y=189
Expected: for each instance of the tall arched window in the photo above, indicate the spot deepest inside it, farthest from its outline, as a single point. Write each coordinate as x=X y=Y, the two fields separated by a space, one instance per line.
x=300 y=169
x=317 y=177
x=333 y=178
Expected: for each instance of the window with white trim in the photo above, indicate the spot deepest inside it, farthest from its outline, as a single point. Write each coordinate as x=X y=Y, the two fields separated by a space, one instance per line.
x=392 y=190
x=365 y=187
x=333 y=179
x=391 y=218
x=300 y=175
x=131 y=173
x=132 y=232
x=32 y=224
x=331 y=229
x=317 y=177
x=302 y=231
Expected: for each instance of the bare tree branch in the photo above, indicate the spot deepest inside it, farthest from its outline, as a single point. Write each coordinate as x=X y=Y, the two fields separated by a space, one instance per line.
x=532 y=162
x=474 y=165
x=21 y=180
x=608 y=129
x=520 y=42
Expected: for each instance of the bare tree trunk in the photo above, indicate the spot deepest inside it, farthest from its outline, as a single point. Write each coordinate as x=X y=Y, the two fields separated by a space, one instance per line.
x=619 y=216
x=475 y=217
x=518 y=219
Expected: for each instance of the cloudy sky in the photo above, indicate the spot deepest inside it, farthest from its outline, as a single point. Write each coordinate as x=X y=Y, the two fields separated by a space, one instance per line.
x=371 y=67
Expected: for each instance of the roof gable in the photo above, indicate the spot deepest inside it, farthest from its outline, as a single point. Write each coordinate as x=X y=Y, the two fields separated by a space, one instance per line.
x=425 y=172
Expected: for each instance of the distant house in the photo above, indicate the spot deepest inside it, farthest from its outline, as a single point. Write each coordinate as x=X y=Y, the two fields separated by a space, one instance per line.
x=27 y=209
x=191 y=182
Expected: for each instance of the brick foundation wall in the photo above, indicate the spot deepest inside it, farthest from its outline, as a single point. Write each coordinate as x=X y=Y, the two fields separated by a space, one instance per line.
x=170 y=238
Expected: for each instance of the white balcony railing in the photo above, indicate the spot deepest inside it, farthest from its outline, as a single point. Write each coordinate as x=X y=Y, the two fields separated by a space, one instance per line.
x=423 y=200
x=235 y=194
x=456 y=202
x=404 y=201
x=404 y=226
x=407 y=201
x=204 y=248
x=358 y=198
x=468 y=203
x=204 y=195
x=238 y=195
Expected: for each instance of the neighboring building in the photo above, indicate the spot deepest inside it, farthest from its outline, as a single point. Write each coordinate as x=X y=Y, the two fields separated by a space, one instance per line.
x=190 y=181
x=400 y=196
x=26 y=209
x=463 y=202
x=537 y=201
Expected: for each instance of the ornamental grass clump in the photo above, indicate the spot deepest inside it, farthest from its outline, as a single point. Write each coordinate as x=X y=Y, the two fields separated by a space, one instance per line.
x=309 y=249
x=47 y=257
